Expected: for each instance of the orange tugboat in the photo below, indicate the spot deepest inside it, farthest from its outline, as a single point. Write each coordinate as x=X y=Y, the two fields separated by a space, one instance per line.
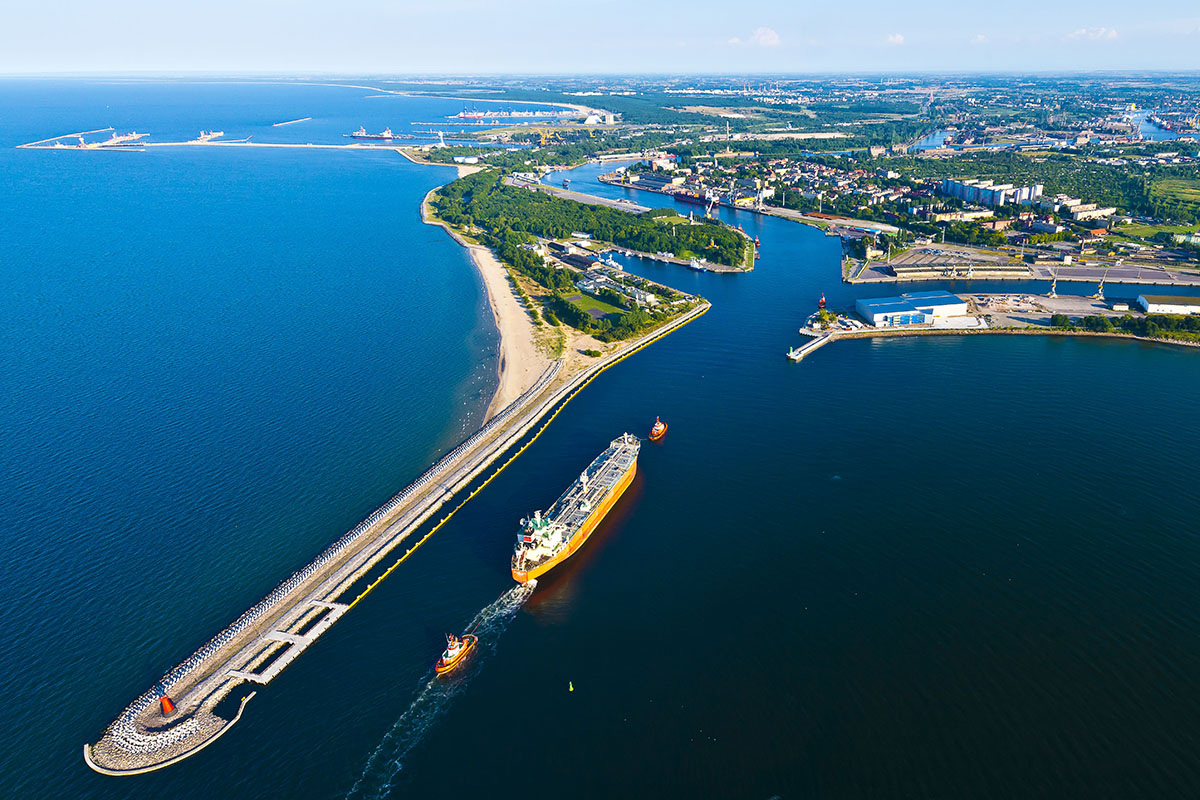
x=456 y=650
x=546 y=541
x=659 y=430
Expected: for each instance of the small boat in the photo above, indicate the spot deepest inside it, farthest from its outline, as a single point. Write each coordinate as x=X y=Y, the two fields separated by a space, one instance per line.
x=659 y=430
x=457 y=648
x=756 y=242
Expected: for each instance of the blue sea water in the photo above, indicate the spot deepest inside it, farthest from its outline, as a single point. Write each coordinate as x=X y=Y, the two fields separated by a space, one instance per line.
x=945 y=567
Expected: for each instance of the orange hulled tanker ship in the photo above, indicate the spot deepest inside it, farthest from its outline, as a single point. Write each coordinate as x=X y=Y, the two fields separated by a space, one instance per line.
x=547 y=541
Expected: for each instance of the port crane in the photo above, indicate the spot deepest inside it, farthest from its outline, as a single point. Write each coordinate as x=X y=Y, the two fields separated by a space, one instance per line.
x=1099 y=295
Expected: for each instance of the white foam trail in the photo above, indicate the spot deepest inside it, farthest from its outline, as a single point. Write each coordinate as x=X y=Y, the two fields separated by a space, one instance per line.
x=387 y=759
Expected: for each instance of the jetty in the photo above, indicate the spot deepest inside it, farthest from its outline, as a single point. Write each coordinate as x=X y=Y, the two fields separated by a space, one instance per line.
x=814 y=343
x=176 y=717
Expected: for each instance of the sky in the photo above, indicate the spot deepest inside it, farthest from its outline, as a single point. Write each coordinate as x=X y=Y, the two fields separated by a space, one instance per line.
x=618 y=36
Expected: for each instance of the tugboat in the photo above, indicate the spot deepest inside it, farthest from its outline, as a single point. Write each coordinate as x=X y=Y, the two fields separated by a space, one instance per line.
x=659 y=430
x=456 y=650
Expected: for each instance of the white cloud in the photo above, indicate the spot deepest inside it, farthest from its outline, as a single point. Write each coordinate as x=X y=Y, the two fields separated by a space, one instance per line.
x=761 y=37
x=764 y=37
x=979 y=38
x=895 y=39
x=1094 y=34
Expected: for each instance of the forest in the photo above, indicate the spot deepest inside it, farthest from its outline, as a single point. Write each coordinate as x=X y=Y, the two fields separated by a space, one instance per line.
x=482 y=200
x=504 y=218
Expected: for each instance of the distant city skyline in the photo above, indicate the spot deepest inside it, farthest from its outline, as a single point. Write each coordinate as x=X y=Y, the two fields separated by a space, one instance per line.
x=470 y=36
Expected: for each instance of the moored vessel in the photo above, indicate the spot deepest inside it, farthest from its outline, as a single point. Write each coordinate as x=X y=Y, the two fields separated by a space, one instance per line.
x=457 y=648
x=361 y=133
x=545 y=541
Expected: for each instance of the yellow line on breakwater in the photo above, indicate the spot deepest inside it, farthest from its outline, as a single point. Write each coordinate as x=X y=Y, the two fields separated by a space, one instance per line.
x=524 y=447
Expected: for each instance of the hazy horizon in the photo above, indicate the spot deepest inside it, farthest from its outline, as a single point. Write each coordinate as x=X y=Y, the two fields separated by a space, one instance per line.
x=472 y=37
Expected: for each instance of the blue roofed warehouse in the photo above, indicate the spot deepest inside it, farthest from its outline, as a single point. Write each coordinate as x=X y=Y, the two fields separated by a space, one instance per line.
x=914 y=308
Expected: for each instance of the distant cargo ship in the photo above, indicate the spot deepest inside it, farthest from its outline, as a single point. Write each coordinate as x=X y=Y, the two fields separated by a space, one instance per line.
x=361 y=133
x=689 y=197
x=547 y=541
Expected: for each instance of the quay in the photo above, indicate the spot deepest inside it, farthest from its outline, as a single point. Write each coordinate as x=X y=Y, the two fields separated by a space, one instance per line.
x=176 y=718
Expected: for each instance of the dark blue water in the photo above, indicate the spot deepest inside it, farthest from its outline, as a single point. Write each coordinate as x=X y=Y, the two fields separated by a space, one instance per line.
x=944 y=567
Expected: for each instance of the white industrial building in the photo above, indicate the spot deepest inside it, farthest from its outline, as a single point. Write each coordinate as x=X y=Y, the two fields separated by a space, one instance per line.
x=915 y=308
x=1166 y=304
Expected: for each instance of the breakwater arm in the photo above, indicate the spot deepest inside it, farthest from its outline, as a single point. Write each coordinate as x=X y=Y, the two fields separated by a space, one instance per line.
x=260 y=643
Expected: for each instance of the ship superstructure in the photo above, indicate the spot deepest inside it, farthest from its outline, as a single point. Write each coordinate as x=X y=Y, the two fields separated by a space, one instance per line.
x=361 y=133
x=545 y=541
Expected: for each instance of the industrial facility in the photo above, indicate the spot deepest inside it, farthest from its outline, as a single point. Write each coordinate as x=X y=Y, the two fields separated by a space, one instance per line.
x=1166 y=304
x=915 y=308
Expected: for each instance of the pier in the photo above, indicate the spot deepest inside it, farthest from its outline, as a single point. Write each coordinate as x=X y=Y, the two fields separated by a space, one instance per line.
x=264 y=640
x=814 y=343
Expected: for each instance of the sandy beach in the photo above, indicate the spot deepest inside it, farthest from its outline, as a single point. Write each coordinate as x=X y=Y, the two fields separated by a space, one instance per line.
x=521 y=361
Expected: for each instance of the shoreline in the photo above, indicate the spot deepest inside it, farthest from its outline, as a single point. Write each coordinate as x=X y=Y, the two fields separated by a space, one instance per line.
x=520 y=362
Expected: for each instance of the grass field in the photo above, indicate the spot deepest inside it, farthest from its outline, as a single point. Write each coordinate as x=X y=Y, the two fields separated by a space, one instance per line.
x=594 y=306
x=1185 y=191
x=1147 y=231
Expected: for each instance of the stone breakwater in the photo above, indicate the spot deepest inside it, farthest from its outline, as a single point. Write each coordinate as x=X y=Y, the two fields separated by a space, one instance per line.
x=132 y=735
x=141 y=739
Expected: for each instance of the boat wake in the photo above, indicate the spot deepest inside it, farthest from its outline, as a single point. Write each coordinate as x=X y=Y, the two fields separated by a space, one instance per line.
x=387 y=760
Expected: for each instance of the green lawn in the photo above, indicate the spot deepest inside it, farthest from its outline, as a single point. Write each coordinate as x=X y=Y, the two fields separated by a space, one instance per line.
x=586 y=302
x=1184 y=191
x=1148 y=231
